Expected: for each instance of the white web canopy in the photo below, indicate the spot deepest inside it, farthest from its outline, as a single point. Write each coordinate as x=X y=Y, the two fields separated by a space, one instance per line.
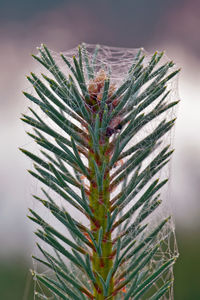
x=101 y=63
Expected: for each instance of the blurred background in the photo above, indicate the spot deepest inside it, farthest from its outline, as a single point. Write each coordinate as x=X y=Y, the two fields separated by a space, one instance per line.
x=167 y=25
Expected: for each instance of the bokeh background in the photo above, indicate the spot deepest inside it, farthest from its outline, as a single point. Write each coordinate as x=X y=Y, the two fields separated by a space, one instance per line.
x=172 y=25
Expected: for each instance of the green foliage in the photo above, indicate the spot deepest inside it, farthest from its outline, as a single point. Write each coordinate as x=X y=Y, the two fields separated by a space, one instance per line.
x=93 y=125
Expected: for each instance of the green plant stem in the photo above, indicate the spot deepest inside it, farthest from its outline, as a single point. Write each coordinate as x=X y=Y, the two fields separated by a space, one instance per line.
x=100 y=205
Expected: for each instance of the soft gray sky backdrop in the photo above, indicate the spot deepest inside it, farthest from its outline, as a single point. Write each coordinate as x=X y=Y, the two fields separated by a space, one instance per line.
x=154 y=25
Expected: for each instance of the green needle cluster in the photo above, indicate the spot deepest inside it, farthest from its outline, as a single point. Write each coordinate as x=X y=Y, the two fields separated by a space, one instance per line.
x=91 y=160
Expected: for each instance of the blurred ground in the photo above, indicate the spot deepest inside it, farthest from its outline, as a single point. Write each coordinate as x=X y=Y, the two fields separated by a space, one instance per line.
x=170 y=25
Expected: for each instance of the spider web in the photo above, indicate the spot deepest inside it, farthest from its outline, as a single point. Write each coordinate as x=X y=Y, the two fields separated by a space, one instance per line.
x=116 y=63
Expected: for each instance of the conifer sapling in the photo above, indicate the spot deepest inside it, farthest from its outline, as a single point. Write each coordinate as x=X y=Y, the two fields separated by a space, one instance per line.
x=100 y=120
